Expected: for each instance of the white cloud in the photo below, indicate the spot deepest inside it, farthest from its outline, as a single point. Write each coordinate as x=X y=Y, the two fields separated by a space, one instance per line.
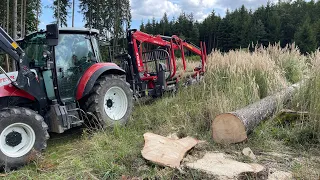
x=146 y=9
x=200 y=8
x=249 y=4
x=194 y=4
x=153 y=8
x=209 y=3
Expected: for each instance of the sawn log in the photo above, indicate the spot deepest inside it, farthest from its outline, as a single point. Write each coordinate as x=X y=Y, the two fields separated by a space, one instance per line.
x=233 y=127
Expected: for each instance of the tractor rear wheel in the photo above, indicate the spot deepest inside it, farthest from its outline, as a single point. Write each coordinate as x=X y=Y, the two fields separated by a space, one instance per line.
x=111 y=101
x=23 y=135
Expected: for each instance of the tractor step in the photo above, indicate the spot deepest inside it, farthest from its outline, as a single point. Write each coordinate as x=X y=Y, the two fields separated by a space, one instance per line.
x=62 y=118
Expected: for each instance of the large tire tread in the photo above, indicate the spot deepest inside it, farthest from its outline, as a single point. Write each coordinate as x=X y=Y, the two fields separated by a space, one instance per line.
x=12 y=113
x=92 y=103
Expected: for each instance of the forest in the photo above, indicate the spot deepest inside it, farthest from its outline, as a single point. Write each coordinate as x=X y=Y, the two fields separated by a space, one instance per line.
x=285 y=22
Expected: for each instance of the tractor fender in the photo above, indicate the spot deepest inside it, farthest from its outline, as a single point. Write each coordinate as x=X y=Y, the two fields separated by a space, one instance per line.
x=92 y=74
x=10 y=90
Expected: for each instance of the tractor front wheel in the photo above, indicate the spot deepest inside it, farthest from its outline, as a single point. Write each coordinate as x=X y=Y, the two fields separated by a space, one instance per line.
x=111 y=101
x=23 y=135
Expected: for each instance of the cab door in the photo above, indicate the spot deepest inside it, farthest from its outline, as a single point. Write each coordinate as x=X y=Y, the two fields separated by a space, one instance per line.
x=73 y=57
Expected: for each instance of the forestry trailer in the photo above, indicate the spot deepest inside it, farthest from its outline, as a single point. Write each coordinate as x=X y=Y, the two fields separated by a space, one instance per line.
x=61 y=82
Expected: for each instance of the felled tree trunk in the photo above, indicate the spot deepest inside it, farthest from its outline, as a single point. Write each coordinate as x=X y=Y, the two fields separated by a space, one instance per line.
x=233 y=127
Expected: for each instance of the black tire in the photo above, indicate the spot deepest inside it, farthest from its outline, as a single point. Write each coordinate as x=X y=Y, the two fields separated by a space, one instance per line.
x=95 y=101
x=17 y=115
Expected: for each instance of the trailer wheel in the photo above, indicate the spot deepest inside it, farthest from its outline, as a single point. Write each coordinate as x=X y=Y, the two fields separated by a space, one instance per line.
x=23 y=135
x=111 y=101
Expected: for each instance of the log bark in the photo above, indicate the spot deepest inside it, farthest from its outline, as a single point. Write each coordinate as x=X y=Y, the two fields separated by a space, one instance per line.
x=233 y=127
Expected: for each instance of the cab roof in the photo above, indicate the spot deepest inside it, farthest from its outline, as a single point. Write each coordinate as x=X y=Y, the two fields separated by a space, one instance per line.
x=78 y=30
x=66 y=30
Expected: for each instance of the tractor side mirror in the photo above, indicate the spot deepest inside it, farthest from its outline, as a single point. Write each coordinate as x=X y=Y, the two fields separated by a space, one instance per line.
x=52 y=34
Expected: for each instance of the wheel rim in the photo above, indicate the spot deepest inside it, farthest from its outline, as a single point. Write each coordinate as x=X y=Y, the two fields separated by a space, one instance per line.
x=17 y=139
x=115 y=103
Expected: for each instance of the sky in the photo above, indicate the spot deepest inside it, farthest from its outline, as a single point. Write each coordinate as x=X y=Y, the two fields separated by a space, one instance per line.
x=142 y=10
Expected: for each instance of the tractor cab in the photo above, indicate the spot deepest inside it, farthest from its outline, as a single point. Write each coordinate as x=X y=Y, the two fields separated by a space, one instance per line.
x=75 y=52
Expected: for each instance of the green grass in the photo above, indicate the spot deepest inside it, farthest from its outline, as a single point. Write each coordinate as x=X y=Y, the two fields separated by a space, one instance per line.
x=233 y=80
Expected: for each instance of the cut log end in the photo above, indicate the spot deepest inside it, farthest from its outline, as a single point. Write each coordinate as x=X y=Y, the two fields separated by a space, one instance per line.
x=227 y=129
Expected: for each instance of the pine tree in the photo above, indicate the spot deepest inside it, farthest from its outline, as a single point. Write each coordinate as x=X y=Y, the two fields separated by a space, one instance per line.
x=32 y=15
x=60 y=11
x=142 y=28
x=154 y=26
x=257 y=33
x=194 y=35
x=109 y=16
x=317 y=32
x=165 y=25
x=14 y=19
x=14 y=26
x=148 y=27
x=305 y=37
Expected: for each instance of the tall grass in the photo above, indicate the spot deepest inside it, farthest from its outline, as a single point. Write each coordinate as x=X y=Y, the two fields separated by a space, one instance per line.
x=233 y=80
x=309 y=100
x=314 y=95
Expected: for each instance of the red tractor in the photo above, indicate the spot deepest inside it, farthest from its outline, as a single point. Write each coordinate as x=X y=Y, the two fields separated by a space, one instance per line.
x=59 y=77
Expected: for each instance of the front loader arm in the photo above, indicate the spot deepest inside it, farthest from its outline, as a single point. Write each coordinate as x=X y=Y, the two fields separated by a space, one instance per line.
x=26 y=80
x=9 y=46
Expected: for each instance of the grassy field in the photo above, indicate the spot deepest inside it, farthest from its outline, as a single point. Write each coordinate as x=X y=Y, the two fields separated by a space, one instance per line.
x=233 y=80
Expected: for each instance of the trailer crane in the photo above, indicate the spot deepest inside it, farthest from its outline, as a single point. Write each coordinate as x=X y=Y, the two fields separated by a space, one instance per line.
x=153 y=71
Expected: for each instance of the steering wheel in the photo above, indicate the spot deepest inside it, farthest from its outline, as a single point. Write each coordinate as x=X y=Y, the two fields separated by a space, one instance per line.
x=77 y=67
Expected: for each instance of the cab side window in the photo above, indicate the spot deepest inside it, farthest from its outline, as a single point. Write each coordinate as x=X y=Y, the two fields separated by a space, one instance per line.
x=34 y=48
